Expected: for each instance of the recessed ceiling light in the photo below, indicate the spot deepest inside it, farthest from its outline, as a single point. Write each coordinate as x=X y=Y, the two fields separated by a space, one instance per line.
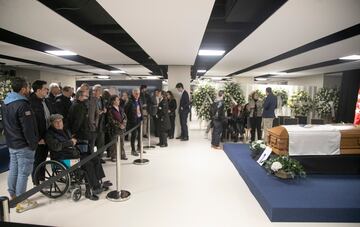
x=117 y=71
x=260 y=79
x=103 y=77
x=201 y=70
x=211 y=52
x=61 y=52
x=351 y=57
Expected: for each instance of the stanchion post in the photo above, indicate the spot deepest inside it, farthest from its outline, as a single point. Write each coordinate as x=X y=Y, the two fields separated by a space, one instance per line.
x=141 y=160
x=4 y=209
x=118 y=195
x=149 y=146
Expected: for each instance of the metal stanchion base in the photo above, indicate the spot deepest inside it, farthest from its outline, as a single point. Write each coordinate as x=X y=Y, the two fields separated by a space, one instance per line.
x=141 y=161
x=148 y=147
x=118 y=196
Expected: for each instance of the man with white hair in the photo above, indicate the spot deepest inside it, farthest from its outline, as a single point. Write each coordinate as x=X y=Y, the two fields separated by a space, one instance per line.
x=134 y=114
x=54 y=91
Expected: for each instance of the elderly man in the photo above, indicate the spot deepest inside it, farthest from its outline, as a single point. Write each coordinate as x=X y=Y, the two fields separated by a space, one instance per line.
x=134 y=115
x=97 y=112
x=54 y=91
x=62 y=146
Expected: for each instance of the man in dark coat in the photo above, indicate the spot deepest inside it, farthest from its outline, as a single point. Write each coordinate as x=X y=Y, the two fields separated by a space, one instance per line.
x=78 y=118
x=218 y=117
x=54 y=91
x=184 y=110
x=42 y=115
x=63 y=102
x=134 y=114
x=164 y=119
x=269 y=107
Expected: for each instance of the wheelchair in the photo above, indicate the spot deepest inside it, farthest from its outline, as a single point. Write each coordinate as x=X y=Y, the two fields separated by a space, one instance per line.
x=71 y=182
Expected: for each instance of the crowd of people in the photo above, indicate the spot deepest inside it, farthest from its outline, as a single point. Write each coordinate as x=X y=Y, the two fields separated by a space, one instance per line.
x=256 y=115
x=57 y=121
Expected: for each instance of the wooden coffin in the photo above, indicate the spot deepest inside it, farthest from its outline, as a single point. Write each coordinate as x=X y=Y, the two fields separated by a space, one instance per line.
x=278 y=140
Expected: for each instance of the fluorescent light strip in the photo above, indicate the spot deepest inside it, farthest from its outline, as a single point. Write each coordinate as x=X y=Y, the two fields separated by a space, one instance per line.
x=117 y=71
x=211 y=52
x=61 y=52
x=278 y=73
x=103 y=77
x=261 y=79
x=351 y=57
x=201 y=71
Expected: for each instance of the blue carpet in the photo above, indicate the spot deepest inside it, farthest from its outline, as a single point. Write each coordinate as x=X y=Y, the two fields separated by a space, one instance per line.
x=317 y=198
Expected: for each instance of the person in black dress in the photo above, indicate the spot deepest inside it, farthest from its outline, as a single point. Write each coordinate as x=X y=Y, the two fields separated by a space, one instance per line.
x=172 y=113
x=164 y=120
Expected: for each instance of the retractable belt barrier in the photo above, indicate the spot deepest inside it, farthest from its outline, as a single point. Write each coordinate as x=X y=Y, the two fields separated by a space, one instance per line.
x=51 y=180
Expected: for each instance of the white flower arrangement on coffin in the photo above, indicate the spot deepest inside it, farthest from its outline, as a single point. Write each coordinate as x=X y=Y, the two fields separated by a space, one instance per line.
x=326 y=102
x=203 y=97
x=300 y=103
x=284 y=167
x=257 y=147
x=233 y=94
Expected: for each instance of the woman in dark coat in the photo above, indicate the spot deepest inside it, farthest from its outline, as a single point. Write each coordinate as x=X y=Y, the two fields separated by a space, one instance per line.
x=116 y=125
x=172 y=113
x=62 y=146
x=164 y=119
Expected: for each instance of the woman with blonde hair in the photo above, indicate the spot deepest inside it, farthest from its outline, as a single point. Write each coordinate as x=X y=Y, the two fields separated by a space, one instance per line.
x=255 y=107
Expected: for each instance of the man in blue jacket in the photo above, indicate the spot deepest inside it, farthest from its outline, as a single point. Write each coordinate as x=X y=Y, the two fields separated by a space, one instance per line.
x=22 y=139
x=269 y=107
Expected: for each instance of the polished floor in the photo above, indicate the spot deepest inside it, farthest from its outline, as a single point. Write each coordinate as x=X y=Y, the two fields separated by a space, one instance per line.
x=187 y=184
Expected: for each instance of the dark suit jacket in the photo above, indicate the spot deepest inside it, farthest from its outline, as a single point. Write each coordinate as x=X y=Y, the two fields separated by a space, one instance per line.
x=163 y=115
x=184 y=106
x=269 y=106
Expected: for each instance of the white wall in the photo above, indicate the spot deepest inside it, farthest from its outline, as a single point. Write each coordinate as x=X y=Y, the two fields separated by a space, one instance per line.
x=28 y=74
x=314 y=80
x=61 y=79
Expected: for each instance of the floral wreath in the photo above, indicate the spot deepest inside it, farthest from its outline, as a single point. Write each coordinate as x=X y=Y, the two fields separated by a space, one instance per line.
x=300 y=103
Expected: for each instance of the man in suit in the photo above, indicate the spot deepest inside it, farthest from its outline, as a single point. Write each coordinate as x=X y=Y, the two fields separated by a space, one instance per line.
x=268 y=115
x=184 y=109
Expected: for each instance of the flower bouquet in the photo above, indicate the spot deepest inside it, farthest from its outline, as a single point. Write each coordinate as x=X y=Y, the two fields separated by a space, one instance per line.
x=232 y=94
x=5 y=88
x=257 y=148
x=282 y=94
x=203 y=97
x=326 y=102
x=300 y=103
x=284 y=167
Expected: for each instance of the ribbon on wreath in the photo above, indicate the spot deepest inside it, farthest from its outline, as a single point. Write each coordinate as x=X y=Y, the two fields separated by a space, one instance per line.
x=232 y=100
x=279 y=102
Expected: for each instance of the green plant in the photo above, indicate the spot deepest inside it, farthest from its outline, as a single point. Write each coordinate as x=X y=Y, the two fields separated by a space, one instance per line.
x=257 y=147
x=5 y=88
x=285 y=164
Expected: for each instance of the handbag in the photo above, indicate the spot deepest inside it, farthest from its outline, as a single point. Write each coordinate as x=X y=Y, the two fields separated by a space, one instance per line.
x=83 y=146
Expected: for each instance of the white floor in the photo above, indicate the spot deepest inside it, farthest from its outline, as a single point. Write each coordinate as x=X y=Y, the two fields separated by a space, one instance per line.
x=187 y=184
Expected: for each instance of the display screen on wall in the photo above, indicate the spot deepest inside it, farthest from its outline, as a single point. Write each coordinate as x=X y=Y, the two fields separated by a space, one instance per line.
x=119 y=86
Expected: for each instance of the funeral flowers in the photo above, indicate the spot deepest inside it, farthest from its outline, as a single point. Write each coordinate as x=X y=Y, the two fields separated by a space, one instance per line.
x=233 y=94
x=257 y=147
x=326 y=102
x=300 y=103
x=284 y=167
x=5 y=88
x=282 y=96
x=203 y=97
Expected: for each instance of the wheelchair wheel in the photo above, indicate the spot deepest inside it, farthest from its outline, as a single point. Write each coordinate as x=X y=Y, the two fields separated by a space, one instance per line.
x=76 y=193
x=51 y=169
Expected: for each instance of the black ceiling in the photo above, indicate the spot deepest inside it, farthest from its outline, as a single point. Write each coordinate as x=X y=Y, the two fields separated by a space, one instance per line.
x=91 y=17
x=19 y=40
x=231 y=21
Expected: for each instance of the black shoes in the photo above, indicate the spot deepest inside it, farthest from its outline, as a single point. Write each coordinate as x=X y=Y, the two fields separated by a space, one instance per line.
x=158 y=144
x=134 y=153
x=171 y=137
x=102 y=161
x=163 y=145
x=124 y=158
x=179 y=137
x=185 y=139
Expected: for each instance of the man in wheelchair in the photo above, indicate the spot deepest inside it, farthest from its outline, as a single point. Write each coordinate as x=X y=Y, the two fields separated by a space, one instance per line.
x=63 y=147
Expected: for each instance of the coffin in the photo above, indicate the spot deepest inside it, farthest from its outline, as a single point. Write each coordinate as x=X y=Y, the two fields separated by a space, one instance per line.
x=278 y=139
